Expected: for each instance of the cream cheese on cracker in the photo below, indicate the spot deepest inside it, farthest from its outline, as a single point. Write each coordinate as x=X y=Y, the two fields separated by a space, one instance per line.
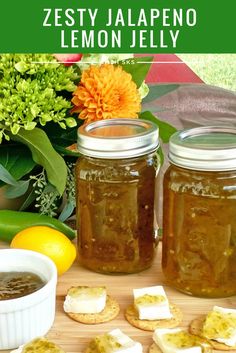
x=220 y=325
x=152 y=303
x=85 y=300
x=39 y=345
x=177 y=340
x=116 y=341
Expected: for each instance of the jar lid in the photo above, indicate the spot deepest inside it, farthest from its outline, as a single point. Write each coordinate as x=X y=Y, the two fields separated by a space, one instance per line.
x=210 y=148
x=118 y=138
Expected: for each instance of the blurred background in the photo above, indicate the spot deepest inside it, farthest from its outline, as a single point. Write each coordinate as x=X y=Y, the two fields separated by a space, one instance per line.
x=213 y=69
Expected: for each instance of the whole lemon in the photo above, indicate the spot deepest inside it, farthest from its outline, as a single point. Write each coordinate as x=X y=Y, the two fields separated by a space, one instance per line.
x=47 y=241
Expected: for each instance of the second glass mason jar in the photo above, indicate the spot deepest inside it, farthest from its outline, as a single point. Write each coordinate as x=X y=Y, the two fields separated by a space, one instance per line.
x=199 y=224
x=115 y=178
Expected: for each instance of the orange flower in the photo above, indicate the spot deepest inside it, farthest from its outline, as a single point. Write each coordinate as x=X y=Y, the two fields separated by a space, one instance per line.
x=106 y=92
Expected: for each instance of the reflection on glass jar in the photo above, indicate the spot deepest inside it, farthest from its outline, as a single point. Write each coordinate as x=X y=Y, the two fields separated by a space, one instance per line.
x=115 y=203
x=199 y=235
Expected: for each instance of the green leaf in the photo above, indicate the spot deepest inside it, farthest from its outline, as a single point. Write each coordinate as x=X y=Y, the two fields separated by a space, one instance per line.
x=137 y=67
x=159 y=90
x=165 y=129
x=6 y=177
x=44 y=154
x=17 y=159
x=61 y=138
x=29 y=200
x=66 y=136
x=14 y=191
x=14 y=188
x=161 y=155
x=67 y=211
x=65 y=151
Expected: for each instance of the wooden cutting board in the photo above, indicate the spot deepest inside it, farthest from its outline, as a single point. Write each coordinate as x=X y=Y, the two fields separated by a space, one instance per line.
x=73 y=337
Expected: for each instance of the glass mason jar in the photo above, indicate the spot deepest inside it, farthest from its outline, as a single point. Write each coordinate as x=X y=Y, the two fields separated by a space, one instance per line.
x=199 y=224
x=115 y=183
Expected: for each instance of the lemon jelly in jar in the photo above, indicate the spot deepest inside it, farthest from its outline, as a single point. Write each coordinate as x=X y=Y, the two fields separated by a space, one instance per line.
x=199 y=224
x=116 y=177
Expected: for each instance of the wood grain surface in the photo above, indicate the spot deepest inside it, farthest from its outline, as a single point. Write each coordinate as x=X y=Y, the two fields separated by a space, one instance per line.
x=73 y=337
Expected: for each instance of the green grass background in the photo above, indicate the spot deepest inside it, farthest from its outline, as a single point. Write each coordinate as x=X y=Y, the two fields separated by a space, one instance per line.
x=214 y=69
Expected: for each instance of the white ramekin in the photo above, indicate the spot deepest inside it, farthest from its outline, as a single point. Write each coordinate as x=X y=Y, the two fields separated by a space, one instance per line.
x=22 y=319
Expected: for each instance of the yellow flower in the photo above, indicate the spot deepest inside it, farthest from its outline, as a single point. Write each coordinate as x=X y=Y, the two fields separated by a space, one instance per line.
x=106 y=92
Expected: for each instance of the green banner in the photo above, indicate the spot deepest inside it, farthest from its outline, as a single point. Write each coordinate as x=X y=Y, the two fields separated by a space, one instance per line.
x=131 y=26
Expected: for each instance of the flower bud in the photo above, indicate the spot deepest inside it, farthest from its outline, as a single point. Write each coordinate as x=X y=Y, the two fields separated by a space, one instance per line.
x=71 y=122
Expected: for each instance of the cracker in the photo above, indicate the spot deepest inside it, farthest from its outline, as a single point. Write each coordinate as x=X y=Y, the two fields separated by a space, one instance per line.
x=41 y=344
x=155 y=349
x=131 y=316
x=110 y=311
x=88 y=350
x=195 y=328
